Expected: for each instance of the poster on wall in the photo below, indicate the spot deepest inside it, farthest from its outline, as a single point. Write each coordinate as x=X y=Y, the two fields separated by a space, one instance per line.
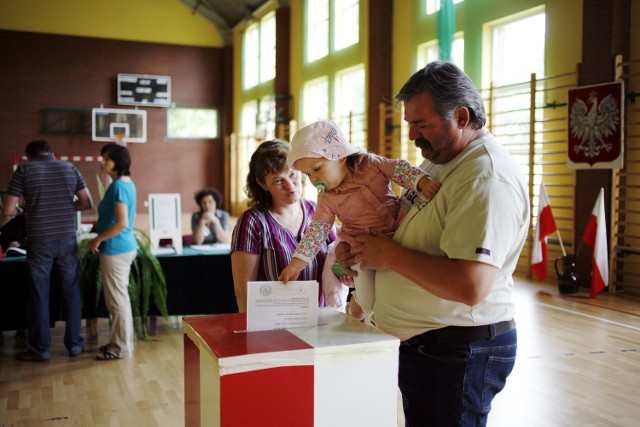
x=595 y=137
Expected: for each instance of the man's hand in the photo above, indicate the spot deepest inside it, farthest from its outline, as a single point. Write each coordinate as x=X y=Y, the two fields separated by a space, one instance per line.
x=375 y=252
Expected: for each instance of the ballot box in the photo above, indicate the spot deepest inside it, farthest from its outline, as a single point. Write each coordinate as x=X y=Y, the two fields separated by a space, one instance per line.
x=338 y=373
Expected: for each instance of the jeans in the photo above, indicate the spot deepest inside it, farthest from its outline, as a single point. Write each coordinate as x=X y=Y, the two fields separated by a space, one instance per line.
x=41 y=257
x=453 y=384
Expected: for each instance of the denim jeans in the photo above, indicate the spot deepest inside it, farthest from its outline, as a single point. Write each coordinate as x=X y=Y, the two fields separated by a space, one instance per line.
x=453 y=384
x=41 y=257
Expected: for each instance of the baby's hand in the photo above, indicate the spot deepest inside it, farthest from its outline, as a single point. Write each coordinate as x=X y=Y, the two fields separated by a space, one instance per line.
x=292 y=270
x=428 y=187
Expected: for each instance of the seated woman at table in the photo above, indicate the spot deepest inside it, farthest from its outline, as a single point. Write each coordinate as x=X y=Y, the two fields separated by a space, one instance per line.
x=267 y=234
x=211 y=223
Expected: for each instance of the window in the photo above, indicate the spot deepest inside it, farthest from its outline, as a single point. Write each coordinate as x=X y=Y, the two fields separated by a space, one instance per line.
x=266 y=118
x=268 y=48
x=433 y=6
x=349 y=104
x=251 y=53
x=518 y=49
x=248 y=119
x=317 y=29
x=315 y=100
x=430 y=51
x=347 y=21
x=511 y=66
x=259 y=51
x=192 y=123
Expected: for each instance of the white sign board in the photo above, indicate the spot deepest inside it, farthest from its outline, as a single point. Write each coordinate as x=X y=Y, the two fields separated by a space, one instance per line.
x=165 y=220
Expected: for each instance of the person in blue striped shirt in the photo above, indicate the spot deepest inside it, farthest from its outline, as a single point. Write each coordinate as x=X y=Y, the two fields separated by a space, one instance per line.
x=53 y=190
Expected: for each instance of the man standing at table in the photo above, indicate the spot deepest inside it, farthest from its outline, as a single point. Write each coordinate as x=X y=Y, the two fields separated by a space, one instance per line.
x=53 y=190
x=444 y=283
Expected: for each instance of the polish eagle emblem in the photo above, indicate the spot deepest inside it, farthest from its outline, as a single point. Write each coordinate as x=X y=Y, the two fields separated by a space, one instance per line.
x=591 y=122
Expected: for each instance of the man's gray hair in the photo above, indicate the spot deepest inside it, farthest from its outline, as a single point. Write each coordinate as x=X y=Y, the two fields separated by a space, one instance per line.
x=449 y=88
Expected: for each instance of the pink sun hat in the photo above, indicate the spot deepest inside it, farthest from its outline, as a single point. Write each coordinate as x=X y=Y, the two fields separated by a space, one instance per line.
x=320 y=139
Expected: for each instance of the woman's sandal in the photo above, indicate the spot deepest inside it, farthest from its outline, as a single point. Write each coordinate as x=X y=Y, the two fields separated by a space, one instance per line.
x=105 y=354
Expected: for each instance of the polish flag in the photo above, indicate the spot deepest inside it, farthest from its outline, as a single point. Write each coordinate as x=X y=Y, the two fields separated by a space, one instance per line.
x=595 y=236
x=545 y=226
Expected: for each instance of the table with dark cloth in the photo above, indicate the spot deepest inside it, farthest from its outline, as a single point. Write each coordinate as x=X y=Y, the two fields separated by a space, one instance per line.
x=198 y=282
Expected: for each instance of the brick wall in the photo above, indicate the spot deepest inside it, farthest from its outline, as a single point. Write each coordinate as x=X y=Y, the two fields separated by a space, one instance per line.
x=40 y=71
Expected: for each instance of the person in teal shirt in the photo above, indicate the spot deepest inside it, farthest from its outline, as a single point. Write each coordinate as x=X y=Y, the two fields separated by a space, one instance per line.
x=118 y=247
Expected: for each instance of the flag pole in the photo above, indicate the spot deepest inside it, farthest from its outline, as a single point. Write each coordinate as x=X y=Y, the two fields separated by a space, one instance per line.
x=564 y=253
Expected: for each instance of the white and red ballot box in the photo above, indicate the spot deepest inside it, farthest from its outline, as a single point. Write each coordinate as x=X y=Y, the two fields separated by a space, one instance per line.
x=339 y=373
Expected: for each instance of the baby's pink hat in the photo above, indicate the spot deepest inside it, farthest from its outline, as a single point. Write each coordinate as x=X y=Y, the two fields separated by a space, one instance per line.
x=320 y=139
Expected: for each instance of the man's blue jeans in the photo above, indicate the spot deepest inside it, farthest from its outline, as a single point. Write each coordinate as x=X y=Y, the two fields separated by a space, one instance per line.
x=41 y=257
x=453 y=384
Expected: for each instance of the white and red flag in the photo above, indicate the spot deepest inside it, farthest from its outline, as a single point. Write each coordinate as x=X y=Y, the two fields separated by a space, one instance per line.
x=545 y=226
x=595 y=236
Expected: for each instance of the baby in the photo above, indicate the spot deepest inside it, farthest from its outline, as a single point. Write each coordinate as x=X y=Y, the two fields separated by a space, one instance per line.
x=355 y=187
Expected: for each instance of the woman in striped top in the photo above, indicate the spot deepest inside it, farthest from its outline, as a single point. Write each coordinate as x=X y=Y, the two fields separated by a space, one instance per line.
x=266 y=235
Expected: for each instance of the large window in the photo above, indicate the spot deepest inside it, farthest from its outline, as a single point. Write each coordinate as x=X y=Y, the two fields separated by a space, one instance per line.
x=315 y=100
x=342 y=16
x=259 y=51
x=517 y=49
x=430 y=51
x=346 y=23
x=350 y=104
x=268 y=47
x=317 y=29
x=251 y=56
x=512 y=64
x=248 y=122
x=266 y=119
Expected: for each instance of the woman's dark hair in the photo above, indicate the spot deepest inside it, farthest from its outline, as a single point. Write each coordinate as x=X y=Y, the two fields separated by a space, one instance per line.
x=269 y=157
x=449 y=88
x=120 y=157
x=217 y=197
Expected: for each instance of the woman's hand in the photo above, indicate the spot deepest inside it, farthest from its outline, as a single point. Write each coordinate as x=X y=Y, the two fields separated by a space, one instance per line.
x=210 y=217
x=94 y=246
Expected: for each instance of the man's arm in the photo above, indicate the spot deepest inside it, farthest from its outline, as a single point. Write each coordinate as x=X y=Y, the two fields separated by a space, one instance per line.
x=467 y=282
x=84 y=201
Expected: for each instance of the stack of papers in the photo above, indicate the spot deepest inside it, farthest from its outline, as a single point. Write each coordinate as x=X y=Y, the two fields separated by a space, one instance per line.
x=163 y=251
x=211 y=247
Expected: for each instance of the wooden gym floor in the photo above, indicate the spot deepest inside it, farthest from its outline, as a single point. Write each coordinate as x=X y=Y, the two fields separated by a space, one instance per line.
x=578 y=365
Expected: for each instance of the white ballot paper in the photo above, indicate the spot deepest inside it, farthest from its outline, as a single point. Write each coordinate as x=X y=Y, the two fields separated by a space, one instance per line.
x=273 y=305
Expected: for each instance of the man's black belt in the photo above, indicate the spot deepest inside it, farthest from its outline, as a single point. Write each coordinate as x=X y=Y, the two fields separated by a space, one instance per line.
x=451 y=334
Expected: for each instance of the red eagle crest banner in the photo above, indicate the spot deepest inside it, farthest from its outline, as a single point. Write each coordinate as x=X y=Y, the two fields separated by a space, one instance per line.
x=595 y=115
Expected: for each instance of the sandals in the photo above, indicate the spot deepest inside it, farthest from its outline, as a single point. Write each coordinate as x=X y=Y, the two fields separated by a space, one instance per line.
x=105 y=353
